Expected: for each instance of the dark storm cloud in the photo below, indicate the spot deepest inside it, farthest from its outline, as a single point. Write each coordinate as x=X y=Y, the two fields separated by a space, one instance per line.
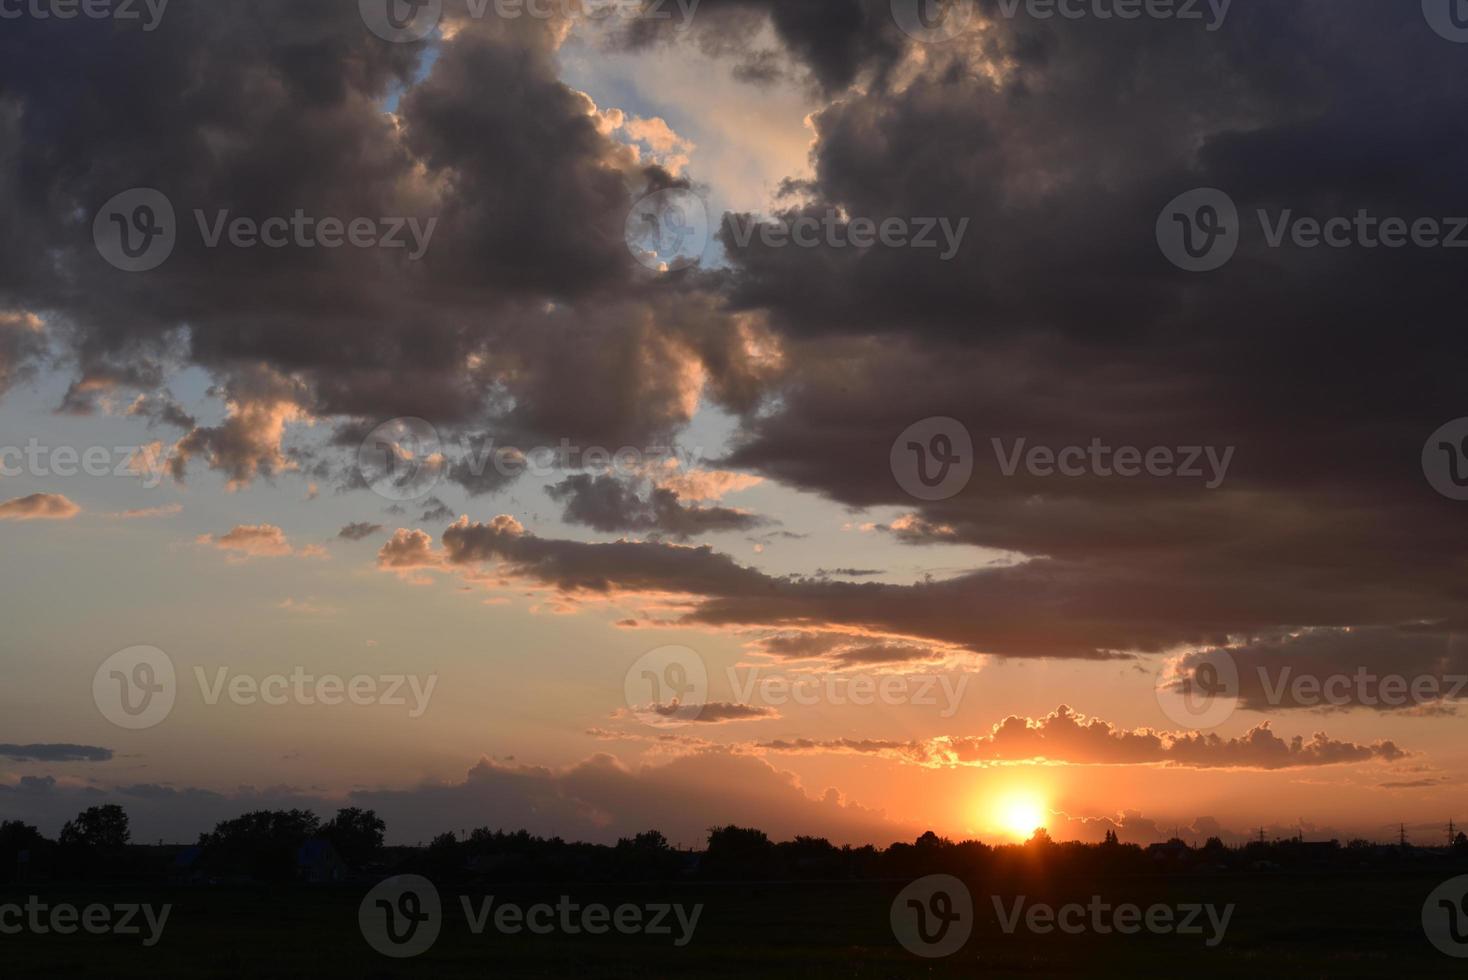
x=1060 y=322
x=608 y=504
x=1419 y=670
x=835 y=39
x=526 y=289
x=1041 y=609
x=22 y=344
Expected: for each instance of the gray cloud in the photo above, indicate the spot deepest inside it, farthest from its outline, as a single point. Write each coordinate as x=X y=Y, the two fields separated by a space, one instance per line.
x=56 y=753
x=608 y=504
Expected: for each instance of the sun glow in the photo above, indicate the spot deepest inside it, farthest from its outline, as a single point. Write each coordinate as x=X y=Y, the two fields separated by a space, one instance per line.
x=1020 y=814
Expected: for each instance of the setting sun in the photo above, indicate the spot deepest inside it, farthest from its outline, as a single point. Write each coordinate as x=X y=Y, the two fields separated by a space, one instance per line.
x=1020 y=815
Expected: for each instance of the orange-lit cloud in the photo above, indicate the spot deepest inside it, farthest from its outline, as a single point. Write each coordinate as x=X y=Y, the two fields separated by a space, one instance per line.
x=250 y=541
x=39 y=507
x=1066 y=737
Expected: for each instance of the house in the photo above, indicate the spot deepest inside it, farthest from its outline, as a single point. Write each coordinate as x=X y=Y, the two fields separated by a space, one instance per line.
x=318 y=863
x=184 y=868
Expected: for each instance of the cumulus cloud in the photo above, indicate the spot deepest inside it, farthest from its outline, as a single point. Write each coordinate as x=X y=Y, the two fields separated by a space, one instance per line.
x=250 y=541
x=599 y=799
x=1064 y=736
x=39 y=507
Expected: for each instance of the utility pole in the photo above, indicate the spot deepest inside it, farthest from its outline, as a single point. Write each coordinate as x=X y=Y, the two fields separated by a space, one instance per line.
x=1452 y=832
x=1402 y=835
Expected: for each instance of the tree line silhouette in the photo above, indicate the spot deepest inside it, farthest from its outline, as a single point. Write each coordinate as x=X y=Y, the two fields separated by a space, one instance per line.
x=278 y=846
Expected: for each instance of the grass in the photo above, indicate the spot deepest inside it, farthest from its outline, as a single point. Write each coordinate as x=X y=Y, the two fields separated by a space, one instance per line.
x=1343 y=924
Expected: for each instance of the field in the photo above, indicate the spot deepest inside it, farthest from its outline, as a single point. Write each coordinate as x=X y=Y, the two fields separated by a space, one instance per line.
x=1346 y=924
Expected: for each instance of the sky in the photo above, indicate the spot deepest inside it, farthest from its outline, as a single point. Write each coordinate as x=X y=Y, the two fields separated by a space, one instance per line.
x=1113 y=483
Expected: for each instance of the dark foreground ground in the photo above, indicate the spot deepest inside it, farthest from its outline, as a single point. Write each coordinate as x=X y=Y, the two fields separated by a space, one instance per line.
x=1347 y=924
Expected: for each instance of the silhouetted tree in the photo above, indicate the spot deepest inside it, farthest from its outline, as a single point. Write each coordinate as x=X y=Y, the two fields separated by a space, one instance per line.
x=18 y=839
x=262 y=844
x=356 y=834
x=738 y=852
x=102 y=828
x=651 y=840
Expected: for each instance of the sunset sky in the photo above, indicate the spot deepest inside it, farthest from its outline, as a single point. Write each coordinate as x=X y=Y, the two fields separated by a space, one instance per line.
x=1032 y=629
